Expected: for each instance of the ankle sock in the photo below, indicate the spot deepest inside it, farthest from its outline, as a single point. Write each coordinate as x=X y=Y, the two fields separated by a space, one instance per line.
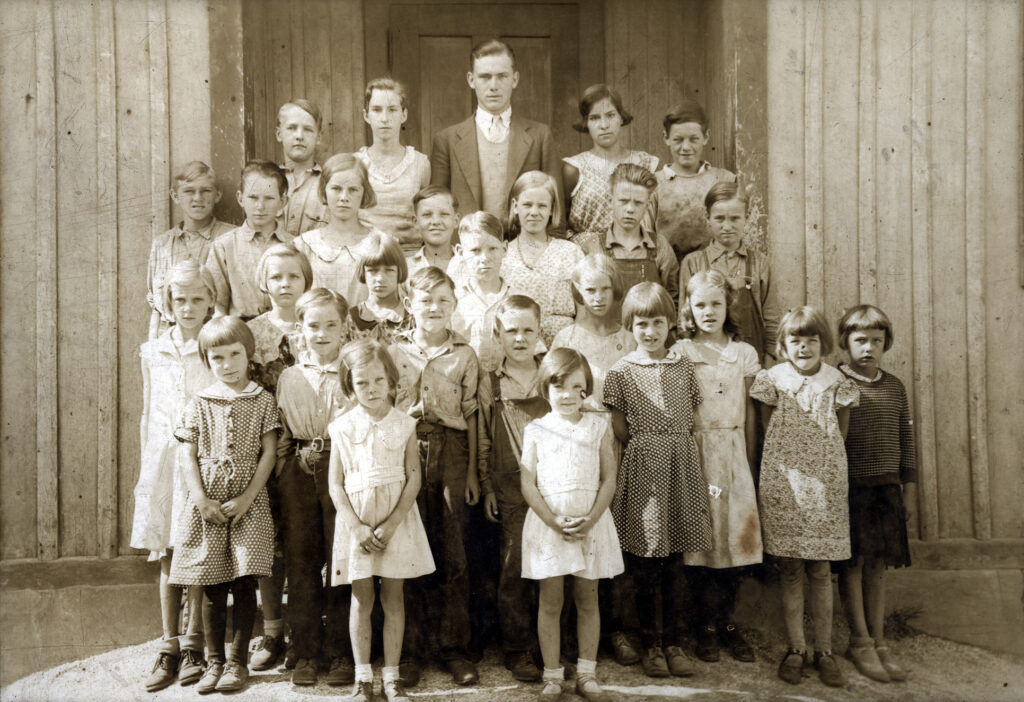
x=273 y=627
x=389 y=673
x=556 y=674
x=364 y=672
x=585 y=667
x=191 y=642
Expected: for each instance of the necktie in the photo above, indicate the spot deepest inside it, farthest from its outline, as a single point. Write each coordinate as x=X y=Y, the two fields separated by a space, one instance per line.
x=494 y=132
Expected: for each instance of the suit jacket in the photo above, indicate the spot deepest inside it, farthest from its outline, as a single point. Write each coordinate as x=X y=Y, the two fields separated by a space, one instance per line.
x=455 y=159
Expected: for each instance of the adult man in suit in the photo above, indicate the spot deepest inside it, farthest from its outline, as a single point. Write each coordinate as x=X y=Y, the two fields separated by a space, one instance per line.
x=480 y=158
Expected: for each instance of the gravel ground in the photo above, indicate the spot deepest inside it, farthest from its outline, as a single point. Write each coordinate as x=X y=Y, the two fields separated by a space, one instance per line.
x=940 y=670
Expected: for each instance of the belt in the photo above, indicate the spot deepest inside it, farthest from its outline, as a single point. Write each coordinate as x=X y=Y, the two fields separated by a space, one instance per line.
x=317 y=445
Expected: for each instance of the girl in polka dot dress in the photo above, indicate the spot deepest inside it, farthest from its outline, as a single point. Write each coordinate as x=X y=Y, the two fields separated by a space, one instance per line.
x=224 y=540
x=660 y=505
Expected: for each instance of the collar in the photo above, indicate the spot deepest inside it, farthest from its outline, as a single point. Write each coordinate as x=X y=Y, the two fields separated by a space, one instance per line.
x=308 y=360
x=636 y=357
x=251 y=233
x=716 y=250
x=845 y=368
x=406 y=341
x=789 y=379
x=704 y=165
x=220 y=391
x=171 y=343
x=502 y=370
x=469 y=287
x=390 y=315
x=206 y=232
x=315 y=169
x=702 y=353
x=483 y=118
x=357 y=425
x=646 y=239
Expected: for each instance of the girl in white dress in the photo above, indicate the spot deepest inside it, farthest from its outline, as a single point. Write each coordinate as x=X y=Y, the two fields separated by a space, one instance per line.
x=725 y=429
x=568 y=480
x=374 y=477
x=172 y=371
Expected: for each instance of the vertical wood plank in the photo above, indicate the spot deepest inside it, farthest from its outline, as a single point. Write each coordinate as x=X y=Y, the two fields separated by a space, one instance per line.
x=227 y=99
x=975 y=245
x=1004 y=302
x=106 y=242
x=159 y=122
x=658 y=64
x=948 y=265
x=19 y=170
x=48 y=510
x=317 y=59
x=77 y=272
x=839 y=156
x=276 y=87
x=188 y=69
x=785 y=28
x=867 y=232
x=298 y=49
x=922 y=48
x=814 y=203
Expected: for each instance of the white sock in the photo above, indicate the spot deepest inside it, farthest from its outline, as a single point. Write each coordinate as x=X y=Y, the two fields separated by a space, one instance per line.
x=556 y=674
x=585 y=667
x=389 y=672
x=364 y=673
x=273 y=627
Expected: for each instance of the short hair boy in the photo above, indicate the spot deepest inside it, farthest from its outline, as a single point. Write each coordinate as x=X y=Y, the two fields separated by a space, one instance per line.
x=437 y=217
x=299 y=130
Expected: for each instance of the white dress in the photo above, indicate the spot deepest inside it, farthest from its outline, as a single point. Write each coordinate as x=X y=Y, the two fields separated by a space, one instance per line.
x=718 y=429
x=601 y=353
x=173 y=372
x=368 y=464
x=566 y=457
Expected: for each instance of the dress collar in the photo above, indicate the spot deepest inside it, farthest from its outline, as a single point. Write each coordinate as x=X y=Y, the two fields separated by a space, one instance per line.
x=308 y=360
x=789 y=379
x=220 y=391
x=700 y=352
x=845 y=368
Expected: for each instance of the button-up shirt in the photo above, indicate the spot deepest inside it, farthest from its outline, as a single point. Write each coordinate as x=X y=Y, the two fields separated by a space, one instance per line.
x=309 y=397
x=474 y=319
x=494 y=127
x=173 y=247
x=439 y=387
x=232 y=262
x=664 y=258
x=304 y=210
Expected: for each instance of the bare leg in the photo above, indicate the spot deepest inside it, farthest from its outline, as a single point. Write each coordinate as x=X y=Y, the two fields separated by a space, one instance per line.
x=588 y=618
x=392 y=601
x=852 y=588
x=359 y=620
x=874 y=596
x=549 y=613
x=170 y=600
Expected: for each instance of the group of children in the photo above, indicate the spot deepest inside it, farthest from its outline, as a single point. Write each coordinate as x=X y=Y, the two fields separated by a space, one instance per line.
x=323 y=409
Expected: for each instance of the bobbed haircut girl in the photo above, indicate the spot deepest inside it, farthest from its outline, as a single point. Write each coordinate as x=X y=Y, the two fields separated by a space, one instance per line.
x=282 y=251
x=481 y=223
x=187 y=274
x=863 y=318
x=647 y=300
x=361 y=353
x=558 y=365
x=321 y=297
x=515 y=302
x=528 y=180
x=339 y=163
x=601 y=264
x=804 y=321
x=595 y=94
x=723 y=192
x=224 y=331
x=380 y=249
x=709 y=279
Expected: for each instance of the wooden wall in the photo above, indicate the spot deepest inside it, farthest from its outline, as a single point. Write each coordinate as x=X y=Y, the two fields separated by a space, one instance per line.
x=96 y=111
x=894 y=161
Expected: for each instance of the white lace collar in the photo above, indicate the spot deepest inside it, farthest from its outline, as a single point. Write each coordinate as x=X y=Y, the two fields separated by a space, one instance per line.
x=790 y=379
x=220 y=391
x=700 y=352
x=357 y=426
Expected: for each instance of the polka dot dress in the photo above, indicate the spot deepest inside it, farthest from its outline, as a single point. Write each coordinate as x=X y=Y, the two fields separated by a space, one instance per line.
x=227 y=428
x=660 y=504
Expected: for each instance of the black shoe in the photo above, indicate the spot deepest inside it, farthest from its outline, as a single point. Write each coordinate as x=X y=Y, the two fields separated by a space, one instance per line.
x=707 y=644
x=341 y=672
x=737 y=645
x=305 y=672
x=409 y=672
x=522 y=667
x=463 y=672
x=791 y=667
x=828 y=669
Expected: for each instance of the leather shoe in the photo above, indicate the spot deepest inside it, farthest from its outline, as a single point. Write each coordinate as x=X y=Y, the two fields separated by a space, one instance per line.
x=522 y=667
x=409 y=672
x=463 y=672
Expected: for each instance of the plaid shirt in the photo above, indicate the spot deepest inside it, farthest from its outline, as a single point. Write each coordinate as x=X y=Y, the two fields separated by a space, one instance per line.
x=173 y=247
x=232 y=262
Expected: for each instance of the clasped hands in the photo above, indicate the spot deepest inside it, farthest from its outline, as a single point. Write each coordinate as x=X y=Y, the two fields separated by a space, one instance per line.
x=222 y=513
x=573 y=528
x=373 y=540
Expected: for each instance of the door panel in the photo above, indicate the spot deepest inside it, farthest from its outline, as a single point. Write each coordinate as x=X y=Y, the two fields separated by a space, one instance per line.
x=429 y=52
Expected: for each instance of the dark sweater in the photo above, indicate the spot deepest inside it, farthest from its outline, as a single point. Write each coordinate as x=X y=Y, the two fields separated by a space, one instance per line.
x=880 y=441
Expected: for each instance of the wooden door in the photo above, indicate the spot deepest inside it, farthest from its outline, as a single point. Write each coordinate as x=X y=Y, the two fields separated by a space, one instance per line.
x=429 y=51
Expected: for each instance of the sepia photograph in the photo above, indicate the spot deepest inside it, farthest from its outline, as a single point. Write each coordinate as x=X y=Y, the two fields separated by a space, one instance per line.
x=507 y=350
